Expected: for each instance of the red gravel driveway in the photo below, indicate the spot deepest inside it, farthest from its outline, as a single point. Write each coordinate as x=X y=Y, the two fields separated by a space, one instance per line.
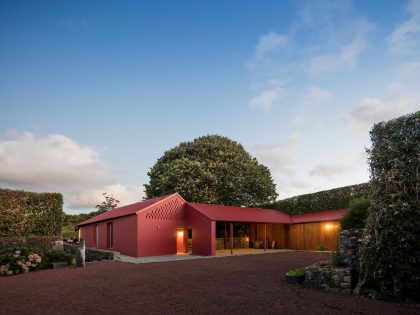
x=235 y=285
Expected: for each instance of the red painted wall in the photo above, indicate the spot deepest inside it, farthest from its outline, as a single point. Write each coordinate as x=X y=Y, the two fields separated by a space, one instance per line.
x=124 y=230
x=86 y=232
x=203 y=233
x=157 y=228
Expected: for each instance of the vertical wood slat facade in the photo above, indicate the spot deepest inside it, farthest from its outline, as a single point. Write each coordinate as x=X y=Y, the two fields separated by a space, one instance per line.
x=309 y=236
x=300 y=236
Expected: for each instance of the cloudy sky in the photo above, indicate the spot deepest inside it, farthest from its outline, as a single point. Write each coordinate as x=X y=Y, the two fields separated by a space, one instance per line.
x=92 y=93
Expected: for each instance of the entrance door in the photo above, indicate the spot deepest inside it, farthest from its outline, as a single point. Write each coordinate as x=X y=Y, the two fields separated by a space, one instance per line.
x=182 y=241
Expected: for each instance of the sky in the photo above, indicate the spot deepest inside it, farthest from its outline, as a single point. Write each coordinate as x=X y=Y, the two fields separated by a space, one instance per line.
x=92 y=93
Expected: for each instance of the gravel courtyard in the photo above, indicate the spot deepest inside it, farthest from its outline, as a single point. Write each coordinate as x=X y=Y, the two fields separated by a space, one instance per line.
x=235 y=285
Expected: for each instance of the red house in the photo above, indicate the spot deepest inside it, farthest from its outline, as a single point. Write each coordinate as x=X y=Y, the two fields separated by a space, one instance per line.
x=161 y=226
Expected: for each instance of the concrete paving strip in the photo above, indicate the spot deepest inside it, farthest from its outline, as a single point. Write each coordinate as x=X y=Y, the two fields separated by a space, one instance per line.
x=219 y=254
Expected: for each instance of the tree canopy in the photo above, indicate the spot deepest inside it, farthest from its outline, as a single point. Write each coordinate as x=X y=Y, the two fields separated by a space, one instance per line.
x=212 y=169
x=108 y=204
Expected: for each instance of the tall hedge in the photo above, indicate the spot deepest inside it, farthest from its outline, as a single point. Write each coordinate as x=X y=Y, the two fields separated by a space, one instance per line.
x=336 y=198
x=390 y=253
x=25 y=213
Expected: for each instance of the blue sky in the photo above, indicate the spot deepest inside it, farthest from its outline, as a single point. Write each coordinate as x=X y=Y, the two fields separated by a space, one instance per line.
x=92 y=93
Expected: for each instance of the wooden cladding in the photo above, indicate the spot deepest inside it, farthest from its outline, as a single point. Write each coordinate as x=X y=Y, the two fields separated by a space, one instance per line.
x=301 y=236
x=311 y=235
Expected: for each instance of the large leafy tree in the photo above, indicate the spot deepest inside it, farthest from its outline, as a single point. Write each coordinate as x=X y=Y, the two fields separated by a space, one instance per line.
x=212 y=169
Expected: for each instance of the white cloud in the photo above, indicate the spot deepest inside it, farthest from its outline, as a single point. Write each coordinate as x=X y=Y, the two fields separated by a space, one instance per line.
x=344 y=59
x=309 y=105
x=329 y=170
x=406 y=36
x=370 y=111
x=402 y=97
x=92 y=197
x=409 y=72
x=268 y=44
x=57 y=163
x=265 y=100
x=317 y=95
x=277 y=157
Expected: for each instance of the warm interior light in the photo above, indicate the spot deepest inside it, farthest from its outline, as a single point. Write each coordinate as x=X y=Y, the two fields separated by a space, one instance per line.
x=328 y=227
x=180 y=233
x=247 y=239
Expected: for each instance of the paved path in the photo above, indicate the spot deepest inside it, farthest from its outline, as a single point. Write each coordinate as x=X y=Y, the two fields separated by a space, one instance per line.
x=219 y=254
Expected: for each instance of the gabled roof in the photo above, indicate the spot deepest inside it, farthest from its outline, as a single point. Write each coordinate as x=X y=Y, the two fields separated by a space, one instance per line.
x=125 y=210
x=329 y=215
x=224 y=213
x=239 y=214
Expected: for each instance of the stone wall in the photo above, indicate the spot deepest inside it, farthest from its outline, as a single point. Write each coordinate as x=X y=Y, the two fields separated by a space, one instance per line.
x=39 y=244
x=343 y=278
x=325 y=276
x=98 y=255
x=349 y=243
x=91 y=254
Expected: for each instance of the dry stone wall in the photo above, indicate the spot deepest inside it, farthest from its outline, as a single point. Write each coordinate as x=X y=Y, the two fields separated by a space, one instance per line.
x=326 y=276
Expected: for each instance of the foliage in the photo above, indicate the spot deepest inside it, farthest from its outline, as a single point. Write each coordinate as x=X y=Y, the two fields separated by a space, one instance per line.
x=70 y=220
x=58 y=255
x=336 y=260
x=27 y=213
x=108 y=204
x=390 y=252
x=16 y=260
x=297 y=272
x=321 y=247
x=212 y=169
x=356 y=217
x=337 y=198
x=67 y=231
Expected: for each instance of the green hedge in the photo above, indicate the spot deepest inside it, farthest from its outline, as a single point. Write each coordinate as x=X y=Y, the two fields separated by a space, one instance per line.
x=390 y=252
x=25 y=213
x=337 y=198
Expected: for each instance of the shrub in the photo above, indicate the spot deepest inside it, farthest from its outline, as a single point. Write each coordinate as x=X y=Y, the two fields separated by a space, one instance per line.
x=337 y=198
x=58 y=255
x=16 y=260
x=336 y=260
x=28 y=214
x=321 y=247
x=390 y=252
x=356 y=217
x=297 y=272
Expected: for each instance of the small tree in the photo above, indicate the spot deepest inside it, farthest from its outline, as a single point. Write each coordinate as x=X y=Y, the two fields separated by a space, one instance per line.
x=109 y=203
x=356 y=217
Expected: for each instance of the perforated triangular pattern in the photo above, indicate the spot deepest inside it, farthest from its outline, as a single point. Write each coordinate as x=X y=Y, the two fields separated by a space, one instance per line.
x=173 y=210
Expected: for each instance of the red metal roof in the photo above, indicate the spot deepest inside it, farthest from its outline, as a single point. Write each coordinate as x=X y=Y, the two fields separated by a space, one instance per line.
x=239 y=214
x=225 y=213
x=124 y=211
x=330 y=215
